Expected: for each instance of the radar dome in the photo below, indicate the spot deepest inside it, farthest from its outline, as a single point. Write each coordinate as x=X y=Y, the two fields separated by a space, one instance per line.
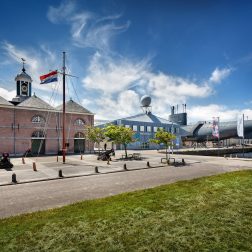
x=145 y=101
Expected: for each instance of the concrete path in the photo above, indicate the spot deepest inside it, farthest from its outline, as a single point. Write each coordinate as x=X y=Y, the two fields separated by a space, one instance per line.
x=29 y=197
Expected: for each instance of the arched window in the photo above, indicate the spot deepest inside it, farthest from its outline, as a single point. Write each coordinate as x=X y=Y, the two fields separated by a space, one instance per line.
x=38 y=134
x=38 y=119
x=79 y=122
x=79 y=135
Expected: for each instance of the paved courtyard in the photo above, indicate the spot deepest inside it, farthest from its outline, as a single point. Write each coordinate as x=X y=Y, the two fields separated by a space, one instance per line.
x=42 y=189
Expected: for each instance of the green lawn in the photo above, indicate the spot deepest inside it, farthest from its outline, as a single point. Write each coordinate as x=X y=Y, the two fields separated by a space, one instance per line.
x=210 y=214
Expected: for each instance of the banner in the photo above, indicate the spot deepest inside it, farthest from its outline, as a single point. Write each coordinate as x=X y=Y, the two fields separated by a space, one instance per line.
x=215 y=129
x=240 y=126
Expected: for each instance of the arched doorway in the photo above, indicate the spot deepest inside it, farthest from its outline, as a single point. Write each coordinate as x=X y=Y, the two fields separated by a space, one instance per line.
x=79 y=143
x=38 y=142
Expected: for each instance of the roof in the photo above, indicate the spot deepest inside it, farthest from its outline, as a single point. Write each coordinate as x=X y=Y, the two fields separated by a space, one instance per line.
x=23 y=76
x=149 y=118
x=35 y=102
x=4 y=102
x=72 y=106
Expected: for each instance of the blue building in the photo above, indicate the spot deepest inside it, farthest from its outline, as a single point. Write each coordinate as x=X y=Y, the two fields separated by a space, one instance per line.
x=146 y=125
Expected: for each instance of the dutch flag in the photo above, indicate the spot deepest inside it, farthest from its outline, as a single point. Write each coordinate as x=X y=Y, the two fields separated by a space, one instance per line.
x=50 y=77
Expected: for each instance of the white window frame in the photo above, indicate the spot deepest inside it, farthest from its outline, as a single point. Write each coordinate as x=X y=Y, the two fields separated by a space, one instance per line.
x=79 y=122
x=135 y=128
x=142 y=128
x=38 y=119
x=149 y=128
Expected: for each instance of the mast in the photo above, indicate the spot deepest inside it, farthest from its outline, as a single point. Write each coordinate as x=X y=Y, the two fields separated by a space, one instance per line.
x=64 y=109
x=243 y=135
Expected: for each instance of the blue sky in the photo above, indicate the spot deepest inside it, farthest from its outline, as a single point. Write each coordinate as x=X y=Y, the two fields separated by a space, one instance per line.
x=193 y=52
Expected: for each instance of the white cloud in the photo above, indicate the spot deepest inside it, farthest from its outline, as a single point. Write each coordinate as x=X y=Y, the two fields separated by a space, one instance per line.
x=173 y=89
x=206 y=113
x=87 y=28
x=36 y=62
x=219 y=74
x=113 y=77
x=125 y=104
x=17 y=54
x=86 y=102
x=58 y=14
x=6 y=94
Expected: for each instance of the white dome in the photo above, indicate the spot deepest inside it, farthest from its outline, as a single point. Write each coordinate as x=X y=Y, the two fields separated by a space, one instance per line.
x=145 y=101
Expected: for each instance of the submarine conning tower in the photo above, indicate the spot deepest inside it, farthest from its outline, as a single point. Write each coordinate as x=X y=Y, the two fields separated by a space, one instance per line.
x=176 y=117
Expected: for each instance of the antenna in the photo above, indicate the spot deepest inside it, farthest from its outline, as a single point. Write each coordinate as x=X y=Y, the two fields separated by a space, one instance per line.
x=145 y=102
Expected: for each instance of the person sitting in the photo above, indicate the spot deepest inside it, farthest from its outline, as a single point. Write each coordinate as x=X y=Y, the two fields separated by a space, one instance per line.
x=5 y=161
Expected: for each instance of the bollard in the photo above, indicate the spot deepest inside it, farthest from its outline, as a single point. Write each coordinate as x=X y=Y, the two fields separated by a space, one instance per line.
x=96 y=169
x=14 y=178
x=108 y=161
x=60 y=174
x=148 y=164
x=34 y=166
x=183 y=161
x=81 y=157
x=125 y=167
x=168 y=161
x=57 y=158
x=23 y=160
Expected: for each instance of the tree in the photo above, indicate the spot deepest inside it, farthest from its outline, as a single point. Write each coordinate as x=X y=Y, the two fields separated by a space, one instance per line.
x=120 y=135
x=96 y=135
x=163 y=137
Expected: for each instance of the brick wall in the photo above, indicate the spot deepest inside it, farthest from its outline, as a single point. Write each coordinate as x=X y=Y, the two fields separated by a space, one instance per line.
x=16 y=129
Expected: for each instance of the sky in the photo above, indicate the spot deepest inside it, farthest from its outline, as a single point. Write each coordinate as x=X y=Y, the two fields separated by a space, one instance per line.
x=194 y=52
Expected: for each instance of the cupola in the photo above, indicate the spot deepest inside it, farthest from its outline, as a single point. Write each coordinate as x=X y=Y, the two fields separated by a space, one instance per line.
x=23 y=82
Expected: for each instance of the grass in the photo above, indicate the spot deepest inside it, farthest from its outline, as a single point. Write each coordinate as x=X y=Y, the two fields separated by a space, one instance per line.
x=207 y=214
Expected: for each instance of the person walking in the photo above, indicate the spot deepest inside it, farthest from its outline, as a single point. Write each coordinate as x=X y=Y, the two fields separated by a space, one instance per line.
x=105 y=146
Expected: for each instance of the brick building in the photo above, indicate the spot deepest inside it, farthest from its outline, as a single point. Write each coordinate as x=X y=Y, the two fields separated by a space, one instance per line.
x=28 y=122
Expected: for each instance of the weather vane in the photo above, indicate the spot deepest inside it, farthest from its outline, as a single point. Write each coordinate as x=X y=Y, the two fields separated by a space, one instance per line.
x=23 y=60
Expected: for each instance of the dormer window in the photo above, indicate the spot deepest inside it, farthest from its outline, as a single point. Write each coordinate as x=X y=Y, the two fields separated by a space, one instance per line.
x=38 y=119
x=79 y=122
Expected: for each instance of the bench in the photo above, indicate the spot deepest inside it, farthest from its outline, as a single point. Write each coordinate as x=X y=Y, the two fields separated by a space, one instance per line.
x=174 y=163
x=129 y=156
x=137 y=156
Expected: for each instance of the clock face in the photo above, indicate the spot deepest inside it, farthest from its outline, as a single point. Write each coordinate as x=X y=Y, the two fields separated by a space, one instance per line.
x=24 y=88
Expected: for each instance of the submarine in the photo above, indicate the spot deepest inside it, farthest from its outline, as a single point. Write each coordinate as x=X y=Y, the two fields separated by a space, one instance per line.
x=202 y=130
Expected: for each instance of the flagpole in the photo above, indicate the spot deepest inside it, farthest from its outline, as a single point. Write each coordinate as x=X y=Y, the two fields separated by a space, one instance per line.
x=243 y=135
x=218 y=136
x=64 y=109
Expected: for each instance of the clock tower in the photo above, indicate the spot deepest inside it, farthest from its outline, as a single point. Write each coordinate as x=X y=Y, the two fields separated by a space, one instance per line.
x=23 y=84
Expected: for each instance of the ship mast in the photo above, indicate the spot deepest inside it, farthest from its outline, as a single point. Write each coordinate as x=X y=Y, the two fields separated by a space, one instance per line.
x=64 y=109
